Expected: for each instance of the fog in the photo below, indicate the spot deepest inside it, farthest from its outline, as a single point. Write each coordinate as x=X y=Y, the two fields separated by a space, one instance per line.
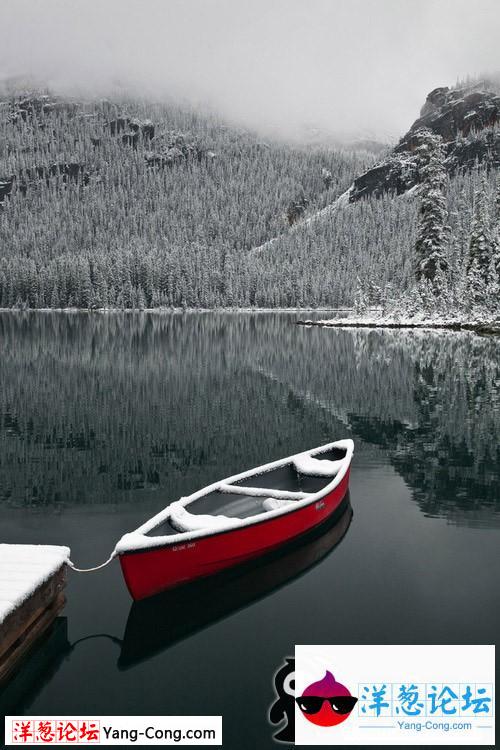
x=347 y=67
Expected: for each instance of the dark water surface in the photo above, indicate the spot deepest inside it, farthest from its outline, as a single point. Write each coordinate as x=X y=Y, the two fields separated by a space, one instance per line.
x=104 y=419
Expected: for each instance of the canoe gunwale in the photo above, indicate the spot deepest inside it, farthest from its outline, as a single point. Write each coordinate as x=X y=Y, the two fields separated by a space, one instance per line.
x=138 y=541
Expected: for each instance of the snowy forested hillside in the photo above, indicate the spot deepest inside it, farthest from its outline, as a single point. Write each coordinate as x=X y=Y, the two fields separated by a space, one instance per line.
x=370 y=246
x=135 y=205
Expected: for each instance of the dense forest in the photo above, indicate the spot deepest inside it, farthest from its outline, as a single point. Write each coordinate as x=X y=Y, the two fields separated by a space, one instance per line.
x=143 y=205
x=372 y=248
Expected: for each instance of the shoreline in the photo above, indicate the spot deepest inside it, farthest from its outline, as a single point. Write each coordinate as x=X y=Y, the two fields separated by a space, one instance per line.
x=490 y=328
x=484 y=327
x=176 y=310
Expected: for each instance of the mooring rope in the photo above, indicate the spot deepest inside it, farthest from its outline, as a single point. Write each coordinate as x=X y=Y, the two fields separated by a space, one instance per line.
x=112 y=638
x=89 y=570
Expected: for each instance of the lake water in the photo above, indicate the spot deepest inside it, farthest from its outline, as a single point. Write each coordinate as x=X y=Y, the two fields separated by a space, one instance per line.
x=106 y=418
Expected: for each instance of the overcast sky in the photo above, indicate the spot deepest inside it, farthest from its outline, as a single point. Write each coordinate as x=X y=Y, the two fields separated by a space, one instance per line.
x=346 y=66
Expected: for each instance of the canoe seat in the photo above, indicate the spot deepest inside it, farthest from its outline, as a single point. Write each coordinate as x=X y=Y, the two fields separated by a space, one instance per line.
x=262 y=492
x=183 y=520
x=272 y=503
x=306 y=464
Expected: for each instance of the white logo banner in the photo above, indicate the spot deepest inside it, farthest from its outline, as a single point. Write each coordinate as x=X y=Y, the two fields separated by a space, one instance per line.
x=395 y=695
x=113 y=730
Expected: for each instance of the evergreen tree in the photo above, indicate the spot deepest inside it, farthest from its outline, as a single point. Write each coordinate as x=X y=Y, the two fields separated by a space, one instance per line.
x=495 y=270
x=432 y=240
x=480 y=243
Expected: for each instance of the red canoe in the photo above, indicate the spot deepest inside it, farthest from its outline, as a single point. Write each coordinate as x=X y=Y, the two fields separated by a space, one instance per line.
x=235 y=520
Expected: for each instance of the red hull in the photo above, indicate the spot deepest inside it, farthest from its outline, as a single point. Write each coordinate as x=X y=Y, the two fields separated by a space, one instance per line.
x=151 y=571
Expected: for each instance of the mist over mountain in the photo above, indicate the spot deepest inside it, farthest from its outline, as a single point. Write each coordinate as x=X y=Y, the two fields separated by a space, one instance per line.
x=348 y=67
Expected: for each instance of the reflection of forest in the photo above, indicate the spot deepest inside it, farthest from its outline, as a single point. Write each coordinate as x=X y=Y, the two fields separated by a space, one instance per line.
x=430 y=399
x=91 y=405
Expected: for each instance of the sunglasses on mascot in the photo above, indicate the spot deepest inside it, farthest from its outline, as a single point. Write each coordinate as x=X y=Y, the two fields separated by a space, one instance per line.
x=312 y=704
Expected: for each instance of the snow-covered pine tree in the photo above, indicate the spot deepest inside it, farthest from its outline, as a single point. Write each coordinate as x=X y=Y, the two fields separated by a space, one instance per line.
x=480 y=243
x=497 y=202
x=361 y=299
x=496 y=237
x=432 y=239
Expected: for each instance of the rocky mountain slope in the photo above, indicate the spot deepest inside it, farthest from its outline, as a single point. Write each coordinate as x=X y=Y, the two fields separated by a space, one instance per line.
x=468 y=120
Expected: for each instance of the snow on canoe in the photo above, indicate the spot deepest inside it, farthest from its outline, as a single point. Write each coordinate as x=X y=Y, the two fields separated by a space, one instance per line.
x=235 y=520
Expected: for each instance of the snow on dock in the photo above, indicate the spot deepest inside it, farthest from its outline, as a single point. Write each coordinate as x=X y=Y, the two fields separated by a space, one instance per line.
x=32 y=578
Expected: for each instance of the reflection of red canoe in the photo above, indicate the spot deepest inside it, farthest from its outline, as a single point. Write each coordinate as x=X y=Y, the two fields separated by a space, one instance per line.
x=235 y=520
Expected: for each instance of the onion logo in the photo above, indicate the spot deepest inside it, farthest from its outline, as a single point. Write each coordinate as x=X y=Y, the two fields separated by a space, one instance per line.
x=327 y=702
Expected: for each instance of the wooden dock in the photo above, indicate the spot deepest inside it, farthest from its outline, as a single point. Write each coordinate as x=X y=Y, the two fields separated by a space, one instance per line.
x=32 y=581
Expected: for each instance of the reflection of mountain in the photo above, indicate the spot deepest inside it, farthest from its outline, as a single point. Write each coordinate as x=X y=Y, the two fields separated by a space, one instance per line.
x=93 y=405
x=430 y=399
x=156 y=623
